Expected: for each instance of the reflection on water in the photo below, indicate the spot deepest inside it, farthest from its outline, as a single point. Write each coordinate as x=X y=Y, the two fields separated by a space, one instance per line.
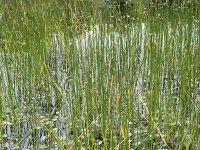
x=111 y=44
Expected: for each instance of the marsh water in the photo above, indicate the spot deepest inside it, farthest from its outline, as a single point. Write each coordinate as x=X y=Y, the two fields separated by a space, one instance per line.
x=111 y=44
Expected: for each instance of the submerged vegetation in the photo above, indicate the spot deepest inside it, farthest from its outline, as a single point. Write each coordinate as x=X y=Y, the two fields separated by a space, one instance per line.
x=99 y=74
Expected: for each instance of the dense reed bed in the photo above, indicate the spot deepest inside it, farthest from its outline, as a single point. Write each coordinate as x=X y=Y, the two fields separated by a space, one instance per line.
x=88 y=75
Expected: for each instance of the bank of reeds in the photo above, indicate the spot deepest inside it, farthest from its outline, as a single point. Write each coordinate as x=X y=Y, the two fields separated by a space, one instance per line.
x=78 y=76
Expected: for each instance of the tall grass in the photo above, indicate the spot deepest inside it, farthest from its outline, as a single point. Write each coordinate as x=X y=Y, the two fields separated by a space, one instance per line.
x=77 y=75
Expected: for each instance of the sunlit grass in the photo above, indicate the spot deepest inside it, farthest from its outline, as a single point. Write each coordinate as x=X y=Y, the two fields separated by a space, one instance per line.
x=76 y=75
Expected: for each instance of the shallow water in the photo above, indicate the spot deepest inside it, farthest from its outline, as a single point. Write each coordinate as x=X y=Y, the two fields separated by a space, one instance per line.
x=109 y=43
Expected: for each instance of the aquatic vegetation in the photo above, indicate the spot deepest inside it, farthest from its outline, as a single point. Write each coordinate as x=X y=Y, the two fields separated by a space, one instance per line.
x=78 y=76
